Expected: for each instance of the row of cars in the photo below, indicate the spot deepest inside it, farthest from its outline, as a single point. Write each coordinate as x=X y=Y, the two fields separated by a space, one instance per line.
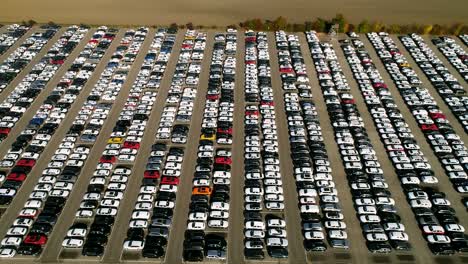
x=264 y=227
x=322 y=220
x=444 y=140
x=151 y=217
x=106 y=188
x=182 y=92
x=24 y=54
x=209 y=206
x=446 y=84
x=464 y=38
x=41 y=211
x=375 y=207
x=431 y=207
x=12 y=34
x=35 y=82
x=28 y=146
x=55 y=107
x=454 y=53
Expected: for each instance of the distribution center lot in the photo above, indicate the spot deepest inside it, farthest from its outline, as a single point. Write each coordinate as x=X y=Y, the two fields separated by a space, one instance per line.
x=123 y=92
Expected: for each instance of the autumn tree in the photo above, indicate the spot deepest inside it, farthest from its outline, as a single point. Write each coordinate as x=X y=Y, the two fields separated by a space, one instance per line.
x=426 y=29
x=280 y=23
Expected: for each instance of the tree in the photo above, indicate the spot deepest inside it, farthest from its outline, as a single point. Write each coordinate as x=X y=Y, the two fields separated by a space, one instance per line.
x=249 y=24
x=298 y=27
x=427 y=29
x=189 y=26
x=364 y=27
x=280 y=23
x=436 y=30
x=173 y=26
x=308 y=25
x=394 y=29
x=455 y=29
x=340 y=20
x=464 y=30
x=319 y=25
x=377 y=27
x=258 y=24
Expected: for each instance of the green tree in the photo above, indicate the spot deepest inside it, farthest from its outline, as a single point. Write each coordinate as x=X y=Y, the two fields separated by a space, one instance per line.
x=308 y=25
x=319 y=25
x=364 y=27
x=455 y=29
x=376 y=26
x=340 y=20
x=394 y=29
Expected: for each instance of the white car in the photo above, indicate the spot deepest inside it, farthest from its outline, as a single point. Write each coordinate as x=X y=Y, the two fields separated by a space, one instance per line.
x=218 y=223
x=72 y=242
x=133 y=245
x=11 y=241
x=196 y=225
x=7 y=253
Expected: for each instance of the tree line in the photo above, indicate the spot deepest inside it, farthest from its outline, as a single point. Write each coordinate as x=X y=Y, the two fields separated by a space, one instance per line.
x=365 y=26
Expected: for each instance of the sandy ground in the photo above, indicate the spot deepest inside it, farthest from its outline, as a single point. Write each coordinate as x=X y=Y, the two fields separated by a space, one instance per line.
x=222 y=13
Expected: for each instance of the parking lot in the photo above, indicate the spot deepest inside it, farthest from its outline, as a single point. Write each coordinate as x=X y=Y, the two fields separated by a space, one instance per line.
x=175 y=146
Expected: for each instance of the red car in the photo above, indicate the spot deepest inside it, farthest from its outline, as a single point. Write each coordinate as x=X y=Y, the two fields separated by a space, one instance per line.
x=250 y=39
x=26 y=162
x=349 y=101
x=286 y=70
x=250 y=62
x=151 y=174
x=224 y=131
x=223 y=160
x=35 y=239
x=5 y=130
x=107 y=159
x=268 y=103
x=379 y=85
x=170 y=180
x=131 y=145
x=437 y=115
x=432 y=127
x=212 y=96
x=251 y=113
x=16 y=176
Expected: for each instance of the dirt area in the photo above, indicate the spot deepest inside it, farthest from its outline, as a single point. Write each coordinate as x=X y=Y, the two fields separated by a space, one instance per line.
x=222 y=13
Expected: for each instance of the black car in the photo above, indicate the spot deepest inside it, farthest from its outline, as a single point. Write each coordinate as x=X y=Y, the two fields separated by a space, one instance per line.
x=277 y=252
x=92 y=250
x=29 y=249
x=314 y=245
x=254 y=254
x=153 y=251
x=193 y=254
x=379 y=247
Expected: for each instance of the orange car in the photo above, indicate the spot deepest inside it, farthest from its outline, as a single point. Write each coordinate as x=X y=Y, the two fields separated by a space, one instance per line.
x=201 y=190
